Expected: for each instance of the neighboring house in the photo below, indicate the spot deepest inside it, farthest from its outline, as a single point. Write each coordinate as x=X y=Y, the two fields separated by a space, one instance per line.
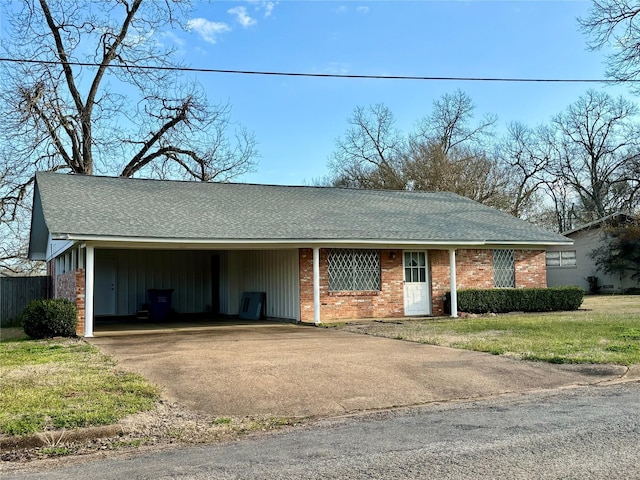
x=573 y=265
x=319 y=253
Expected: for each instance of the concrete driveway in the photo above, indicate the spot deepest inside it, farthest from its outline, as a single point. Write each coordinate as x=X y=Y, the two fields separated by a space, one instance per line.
x=291 y=370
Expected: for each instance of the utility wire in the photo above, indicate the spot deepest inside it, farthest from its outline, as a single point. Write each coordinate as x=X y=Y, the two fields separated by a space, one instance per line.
x=325 y=75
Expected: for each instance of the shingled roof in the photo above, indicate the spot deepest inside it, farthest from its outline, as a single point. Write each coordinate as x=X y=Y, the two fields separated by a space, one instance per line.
x=92 y=207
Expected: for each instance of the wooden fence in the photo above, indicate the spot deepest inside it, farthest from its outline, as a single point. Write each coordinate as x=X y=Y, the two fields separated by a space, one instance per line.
x=17 y=292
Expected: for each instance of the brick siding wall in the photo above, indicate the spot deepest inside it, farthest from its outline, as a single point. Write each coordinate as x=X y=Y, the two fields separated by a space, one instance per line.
x=388 y=302
x=71 y=285
x=474 y=269
x=66 y=285
x=440 y=279
x=531 y=268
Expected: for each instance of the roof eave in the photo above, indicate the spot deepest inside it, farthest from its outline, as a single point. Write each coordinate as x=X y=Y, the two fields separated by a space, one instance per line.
x=306 y=242
x=598 y=222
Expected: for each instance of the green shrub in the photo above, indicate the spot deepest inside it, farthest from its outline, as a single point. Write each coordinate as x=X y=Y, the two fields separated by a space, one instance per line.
x=50 y=318
x=503 y=300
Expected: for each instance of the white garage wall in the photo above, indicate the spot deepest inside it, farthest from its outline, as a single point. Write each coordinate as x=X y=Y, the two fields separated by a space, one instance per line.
x=187 y=272
x=230 y=287
x=275 y=272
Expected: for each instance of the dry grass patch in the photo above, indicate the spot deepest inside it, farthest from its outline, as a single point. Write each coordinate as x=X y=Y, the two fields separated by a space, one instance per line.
x=10 y=334
x=619 y=304
x=174 y=423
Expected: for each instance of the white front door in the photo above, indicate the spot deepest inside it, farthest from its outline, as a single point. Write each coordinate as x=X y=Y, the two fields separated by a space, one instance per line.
x=104 y=291
x=416 y=284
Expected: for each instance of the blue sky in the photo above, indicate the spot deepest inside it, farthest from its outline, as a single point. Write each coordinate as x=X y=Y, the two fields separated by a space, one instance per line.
x=297 y=120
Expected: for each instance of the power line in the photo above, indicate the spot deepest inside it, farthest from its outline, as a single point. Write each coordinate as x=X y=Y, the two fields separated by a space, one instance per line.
x=325 y=75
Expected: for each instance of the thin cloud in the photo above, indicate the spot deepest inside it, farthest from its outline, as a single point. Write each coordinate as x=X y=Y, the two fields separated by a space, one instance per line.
x=207 y=29
x=343 y=9
x=335 y=68
x=268 y=8
x=172 y=38
x=241 y=16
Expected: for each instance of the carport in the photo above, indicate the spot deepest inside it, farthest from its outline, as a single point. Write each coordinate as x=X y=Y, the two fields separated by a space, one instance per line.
x=200 y=284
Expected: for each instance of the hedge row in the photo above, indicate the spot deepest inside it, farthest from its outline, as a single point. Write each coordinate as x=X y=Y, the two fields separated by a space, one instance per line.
x=503 y=300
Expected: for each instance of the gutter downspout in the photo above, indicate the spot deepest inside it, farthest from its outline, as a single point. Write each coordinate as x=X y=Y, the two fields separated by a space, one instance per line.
x=316 y=285
x=454 y=289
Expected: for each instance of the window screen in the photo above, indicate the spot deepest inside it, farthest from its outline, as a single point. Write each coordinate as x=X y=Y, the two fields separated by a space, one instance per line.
x=504 y=275
x=354 y=270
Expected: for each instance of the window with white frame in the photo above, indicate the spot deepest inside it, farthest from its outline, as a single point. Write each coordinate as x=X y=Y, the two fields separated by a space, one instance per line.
x=566 y=259
x=504 y=271
x=353 y=270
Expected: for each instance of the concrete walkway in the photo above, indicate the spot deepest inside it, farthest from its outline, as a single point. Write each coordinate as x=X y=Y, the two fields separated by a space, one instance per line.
x=292 y=370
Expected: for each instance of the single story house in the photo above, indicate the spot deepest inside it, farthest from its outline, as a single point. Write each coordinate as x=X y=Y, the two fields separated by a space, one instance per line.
x=318 y=253
x=573 y=265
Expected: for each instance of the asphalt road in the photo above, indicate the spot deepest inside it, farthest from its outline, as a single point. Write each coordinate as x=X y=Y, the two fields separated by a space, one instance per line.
x=578 y=433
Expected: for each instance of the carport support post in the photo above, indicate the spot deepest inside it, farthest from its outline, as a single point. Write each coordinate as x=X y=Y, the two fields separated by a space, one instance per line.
x=88 y=291
x=454 y=289
x=316 y=285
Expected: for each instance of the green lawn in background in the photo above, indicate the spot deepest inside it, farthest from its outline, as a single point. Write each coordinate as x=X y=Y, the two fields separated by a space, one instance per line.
x=605 y=330
x=64 y=383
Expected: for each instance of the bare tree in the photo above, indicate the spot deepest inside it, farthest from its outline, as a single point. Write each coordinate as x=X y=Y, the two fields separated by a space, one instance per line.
x=94 y=90
x=449 y=152
x=595 y=142
x=614 y=23
x=450 y=125
x=369 y=155
x=474 y=176
x=525 y=157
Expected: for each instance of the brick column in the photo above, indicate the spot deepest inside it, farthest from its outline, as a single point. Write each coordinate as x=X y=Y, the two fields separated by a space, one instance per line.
x=80 y=301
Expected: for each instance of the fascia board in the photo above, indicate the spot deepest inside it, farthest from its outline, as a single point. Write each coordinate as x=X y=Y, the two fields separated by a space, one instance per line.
x=300 y=243
x=56 y=247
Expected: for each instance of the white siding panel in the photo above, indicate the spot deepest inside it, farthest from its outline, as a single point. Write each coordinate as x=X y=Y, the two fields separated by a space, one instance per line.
x=224 y=283
x=235 y=273
x=187 y=272
x=276 y=273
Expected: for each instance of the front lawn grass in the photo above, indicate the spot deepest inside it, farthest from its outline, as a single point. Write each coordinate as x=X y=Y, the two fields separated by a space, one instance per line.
x=62 y=384
x=605 y=330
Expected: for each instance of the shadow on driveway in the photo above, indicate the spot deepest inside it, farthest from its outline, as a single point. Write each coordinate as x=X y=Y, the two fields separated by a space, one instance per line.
x=293 y=370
